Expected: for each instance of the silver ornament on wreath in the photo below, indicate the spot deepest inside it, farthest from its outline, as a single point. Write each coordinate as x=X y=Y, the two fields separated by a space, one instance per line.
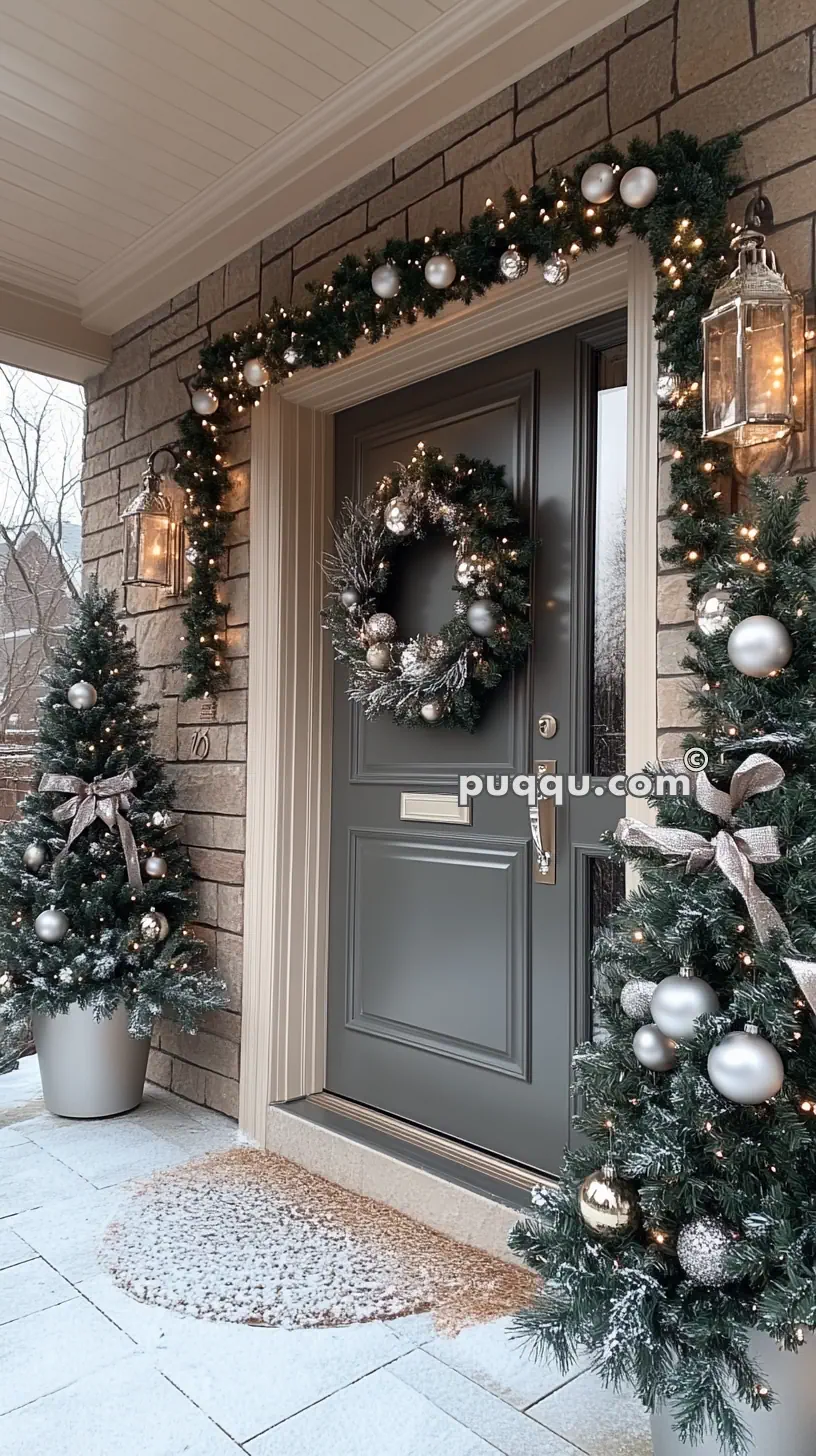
x=51 y=926
x=512 y=264
x=678 y=1003
x=482 y=618
x=467 y=572
x=155 y=866
x=291 y=357
x=656 y=1052
x=636 y=998
x=350 y=597
x=431 y=711
x=34 y=856
x=608 y=1204
x=386 y=281
x=397 y=516
x=440 y=271
x=668 y=386
x=154 y=926
x=703 y=1245
x=712 y=614
x=255 y=373
x=82 y=695
x=204 y=401
x=598 y=183
x=746 y=1068
x=378 y=656
x=381 y=627
x=638 y=187
x=412 y=658
x=759 y=646
x=555 y=271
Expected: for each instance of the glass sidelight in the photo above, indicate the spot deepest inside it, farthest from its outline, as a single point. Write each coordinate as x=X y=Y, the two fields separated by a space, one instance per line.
x=608 y=596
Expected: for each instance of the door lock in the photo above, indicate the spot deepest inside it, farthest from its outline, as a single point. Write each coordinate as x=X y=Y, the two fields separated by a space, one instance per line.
x=547 y=725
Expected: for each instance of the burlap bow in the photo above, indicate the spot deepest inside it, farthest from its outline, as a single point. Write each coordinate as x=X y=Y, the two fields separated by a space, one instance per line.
x=105 y=799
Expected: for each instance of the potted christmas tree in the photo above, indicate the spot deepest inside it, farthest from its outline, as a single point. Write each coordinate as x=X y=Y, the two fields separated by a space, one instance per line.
x=96 y=892
x=679 y=1249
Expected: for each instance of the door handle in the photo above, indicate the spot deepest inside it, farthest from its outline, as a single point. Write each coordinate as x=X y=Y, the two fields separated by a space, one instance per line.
x=542 y=824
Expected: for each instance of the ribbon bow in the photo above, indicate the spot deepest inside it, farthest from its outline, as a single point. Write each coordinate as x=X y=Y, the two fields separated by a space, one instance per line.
x=105 y=799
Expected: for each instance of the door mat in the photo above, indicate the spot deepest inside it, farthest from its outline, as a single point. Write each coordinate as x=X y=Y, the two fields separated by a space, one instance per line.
x=248 y=1237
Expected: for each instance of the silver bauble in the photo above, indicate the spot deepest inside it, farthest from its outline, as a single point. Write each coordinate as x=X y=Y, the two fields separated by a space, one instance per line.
x=154 y=926
x=759 y=646
x=256 y=373
x=481 y=618
x=378 y=656
x=746 y=1068
x=160 y=819
x=51 y=926
x=555 y=271
x=204 y=401
x=712 y=613
x=155 y=866
x=397 y=516
x=598 y=182
x=291 y=356
x=667 y=387
x=34 y=857
x=512 y=265
x=653 y=1049
x=82 y=695
x=608 y=1204
x=431 y=711
x=440 y=271
x=678 y=1002
x=385 y=281
x=411 y=657
x=702 y=1250
x=191 y=555
x=636 y=998
x=638 y=187
x=466 y=572
x=349 y=596
x=381 y=627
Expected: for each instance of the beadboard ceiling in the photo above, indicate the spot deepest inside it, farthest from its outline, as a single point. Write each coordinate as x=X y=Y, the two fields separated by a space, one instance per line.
x=142 y=142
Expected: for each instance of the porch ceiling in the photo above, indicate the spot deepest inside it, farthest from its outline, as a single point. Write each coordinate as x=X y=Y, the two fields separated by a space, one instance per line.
x=143 y=142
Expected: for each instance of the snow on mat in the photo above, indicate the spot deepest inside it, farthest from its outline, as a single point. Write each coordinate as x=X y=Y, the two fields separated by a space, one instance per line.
x=248 y=1237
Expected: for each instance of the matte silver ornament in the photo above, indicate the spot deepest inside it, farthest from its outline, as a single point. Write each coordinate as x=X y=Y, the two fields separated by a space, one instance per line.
x=350 y=597
x=397 y=516
x=155 y=866
x=608 y=1204
x=555 y=271
x=636 y=998
x=431 y=711
x=291 y=356
x=204 y=401
x=440 y=271
x=679 y=1001
x=481 y=618
x=638 y=187
x=712 y=613
x=598 y=182
x=82 y=695
x=746 y=1068
x=255 y=373
x=34 y=857
x=381 y=627
x=154 y=926
x=667 y=387
x=759 y=646
x=654 y=1050
x=378 y=656
x=512 y=265
x=51 y=926
x=386 y=281
x=702 y=1250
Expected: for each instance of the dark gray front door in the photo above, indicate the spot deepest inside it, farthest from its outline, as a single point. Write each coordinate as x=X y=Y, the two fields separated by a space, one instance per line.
x=458 y=985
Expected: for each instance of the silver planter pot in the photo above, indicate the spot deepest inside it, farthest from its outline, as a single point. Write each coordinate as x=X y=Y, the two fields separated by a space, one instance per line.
x=789 y=1429
x=90 y=1068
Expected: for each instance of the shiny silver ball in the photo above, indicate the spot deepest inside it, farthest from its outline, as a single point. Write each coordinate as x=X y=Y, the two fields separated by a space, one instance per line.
x=598 y=182
x=702 y=1250
x=431 y=711
x=667 y=387
x=636 y=998
x=291 y=356
x=653 y=1049
x=466 y=572
x=154 y=926
x=759 y=646
x=350 y=597
x=381 y=627
x=679 y=1001
x=712 y=613
x=638 y=187
x=385 y=281
x=397 y=516
x=378 y=656
x=555 y=271
x=746 y=1068
x=255 y=373
x=51 y=926
x=512 y=265
x=440 y=271
x=82 y=695
x=34 y=857
x=204 y=401
x=155 y=866
x=191 y=555
x=481 y=618
x=608 y=1204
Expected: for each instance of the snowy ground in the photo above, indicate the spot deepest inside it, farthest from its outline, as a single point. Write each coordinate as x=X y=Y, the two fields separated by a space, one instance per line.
x=87 y=1371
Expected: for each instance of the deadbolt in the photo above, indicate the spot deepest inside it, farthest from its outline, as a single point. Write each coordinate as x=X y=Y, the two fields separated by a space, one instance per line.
x=547 y=725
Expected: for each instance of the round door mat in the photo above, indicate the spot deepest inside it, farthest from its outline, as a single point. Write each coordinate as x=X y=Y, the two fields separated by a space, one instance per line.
x=246 y=1236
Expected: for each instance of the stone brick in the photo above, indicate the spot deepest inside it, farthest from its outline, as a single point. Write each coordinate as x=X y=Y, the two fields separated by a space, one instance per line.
x=187 y=354
x=578 y=132
x=231 y=908
x=239 y=529
x=238 y=592
x=100 y=514
x=648 y=14
x=102 y=543
x=331 y=237
x=211 y=296
x=276 y=282
x=239 y=561
x=759 y=89
x=203 y=1050
x=237 y=743
x=190 y=739
x=139 y=325
x=401 y=194
x=588 y=51
x=239 y=674
x=393 y=227
x=674 y=708
x=224 y=1024
x=557 y=103
x=776 y=19
x=218 y=865
x=645 y=130
x=229 y=958
x=128 y=362
x=237 y=643
x=453 y=131
x=792 y=195
x=159 y=396
x=188 y=1081
x=543 y=80
x=794 y=247
x=228 y=830
x=107 y=571
x=514 y=168
x=198 y=829
x=189 y=295
x=442 y=209
x=640 y=75
x=171 y=329
x=235 y=319
x=477 y=148
x=672 y=647
x=672 y=598
x=221 y=1094
x=104 y=438
x=670 y=745
x=100 y=487
x=207 y=898
x=103 y=411
x=317 y=217
x=780 y=143
x=243 y=276
x=159 y=1068
x=216 y=787
x=158 y=637
x=711 y=38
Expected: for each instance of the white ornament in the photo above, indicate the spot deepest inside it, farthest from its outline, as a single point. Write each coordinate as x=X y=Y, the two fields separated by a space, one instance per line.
x=431 y=711
x=712 y=613
x=397 y=516
x=204 y=401
x=555 y=271
x=679 y=1001
x=512 y=265
x=598 y=182
x=466 y=572
x=440 y=271
x=638 y=187
x=381 y=627
x=746 y=1068
x=34 y=857
x=82 y=695
x=759 y=646
x=481 y=618
x=350 y=597
x=256 y=373
x=385 y=281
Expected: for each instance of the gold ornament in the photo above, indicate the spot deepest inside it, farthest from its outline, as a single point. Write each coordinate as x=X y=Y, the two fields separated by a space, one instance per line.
x=608 y=1204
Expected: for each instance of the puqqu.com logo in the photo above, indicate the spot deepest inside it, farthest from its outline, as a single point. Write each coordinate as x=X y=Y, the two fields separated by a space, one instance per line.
x=533 y=787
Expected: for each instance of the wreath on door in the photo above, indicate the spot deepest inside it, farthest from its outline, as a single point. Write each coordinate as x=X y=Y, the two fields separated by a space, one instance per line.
x=436 y=678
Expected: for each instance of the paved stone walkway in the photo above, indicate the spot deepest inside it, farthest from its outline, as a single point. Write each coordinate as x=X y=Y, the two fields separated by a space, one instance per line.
x=87 y=1371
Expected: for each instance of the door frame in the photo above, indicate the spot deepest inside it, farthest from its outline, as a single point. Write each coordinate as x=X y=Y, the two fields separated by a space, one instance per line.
x=283 y=1033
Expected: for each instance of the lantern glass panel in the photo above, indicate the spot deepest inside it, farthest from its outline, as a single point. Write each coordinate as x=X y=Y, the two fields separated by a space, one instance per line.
x=767 y=372
x=723 y=397
x=147 y=549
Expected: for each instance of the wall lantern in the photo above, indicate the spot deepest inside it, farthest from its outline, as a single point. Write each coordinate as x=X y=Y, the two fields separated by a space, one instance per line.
x=153 y=535
x=754 y=351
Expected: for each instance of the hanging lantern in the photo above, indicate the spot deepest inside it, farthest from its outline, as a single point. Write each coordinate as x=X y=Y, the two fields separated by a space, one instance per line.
x=754 y=351
x=152 y=534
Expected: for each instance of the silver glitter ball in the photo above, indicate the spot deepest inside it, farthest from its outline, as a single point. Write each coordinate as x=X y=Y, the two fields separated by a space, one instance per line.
x=677 y=1004
x=204 y=401
x=712 y=613
x=378 y=656
x=385 y=281
x=667 y=387
x=638 y=187
x=636 y=998
x=411 y=657
x=481 y=618
x=381 y=627
x=51 y=926
x=397 y=516
x=466 y=572
x=431 y=711
x=440 y=271
x=759 y=646
x=350 y=597
x=598 y=182
x=746 y=1068
x=291 y=356
x=34 y=857
x=154 y=926
x=255 y=373
x=512 y=265
x=155 y=866
x=702 y=1250
x=82 y=695
x=654 y=1050
x=555 y=271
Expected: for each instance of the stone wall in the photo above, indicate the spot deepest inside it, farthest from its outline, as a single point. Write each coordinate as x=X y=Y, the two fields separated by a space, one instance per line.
x=703 y=65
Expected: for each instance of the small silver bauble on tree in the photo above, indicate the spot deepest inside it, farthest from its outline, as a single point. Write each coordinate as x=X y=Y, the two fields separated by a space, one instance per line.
x=291 y=357
x=51 y=926
x=412 y=657
x=350 y=597
x=555 y=271
x=154 y=926
x=638 y=187
x=668 y=386
x=191 y=555
x=759 y=646
x=440 y=271
x=598 y=182
x=636 y=998
x=466 y=572
x=703 y=1245
x=34 y=857
x=378 y=656
x=381 y=627
x=712 y=613
x=431 y=711
x=256 y=373
x=155 y=866
x=82 y=695
x=654 y=1050
x=204 y=401
x=512 y=265
x=385 y=280
x=608 y=1204
x=397 y=516
x=746 y=1068
x=482 y=618
x=679 y=1001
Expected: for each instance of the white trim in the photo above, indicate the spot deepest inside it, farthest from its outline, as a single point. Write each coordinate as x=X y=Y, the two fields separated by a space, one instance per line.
x=50 y=338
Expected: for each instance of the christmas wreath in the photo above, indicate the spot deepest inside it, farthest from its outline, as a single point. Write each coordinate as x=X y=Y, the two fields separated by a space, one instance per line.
x=442 y=677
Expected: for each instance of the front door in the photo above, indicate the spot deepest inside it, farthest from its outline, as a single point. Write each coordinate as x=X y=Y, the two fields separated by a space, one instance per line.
x=458 y=980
